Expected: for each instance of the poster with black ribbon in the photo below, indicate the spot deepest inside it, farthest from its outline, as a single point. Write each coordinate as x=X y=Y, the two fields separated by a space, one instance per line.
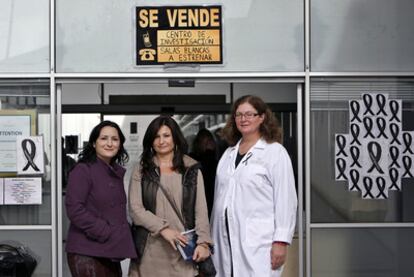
x=376 y=153
x=30 y=156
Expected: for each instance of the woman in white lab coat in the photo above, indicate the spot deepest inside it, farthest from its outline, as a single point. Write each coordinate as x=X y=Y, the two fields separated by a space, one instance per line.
x=254 y=212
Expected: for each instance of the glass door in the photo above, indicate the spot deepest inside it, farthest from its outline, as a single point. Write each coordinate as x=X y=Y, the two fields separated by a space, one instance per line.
x=198 y=110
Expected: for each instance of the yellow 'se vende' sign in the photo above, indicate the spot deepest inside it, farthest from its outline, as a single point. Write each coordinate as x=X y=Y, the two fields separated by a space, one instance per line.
x=190 y=34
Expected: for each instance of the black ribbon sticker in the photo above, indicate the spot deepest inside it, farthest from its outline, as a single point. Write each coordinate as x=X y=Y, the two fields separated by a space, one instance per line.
x=381 y=101
x=354 y=174
x=394 y=177
x=407 y=162
x=249 y=155
x=368 y=124
x=29 y=155
x=355 y=107
x=394 y=108
x=394 y=154
x=341 y=165
x=355 y=134
x=408 y=139
x=341 y=143
x=368 y=183
x=355 y=152
x=367 y=98
x=395 y=131
x=381 y=185
x=375 y=152
x=381 y=124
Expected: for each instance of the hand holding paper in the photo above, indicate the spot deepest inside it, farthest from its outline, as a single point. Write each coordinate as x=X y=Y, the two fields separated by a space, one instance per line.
x=187 y=251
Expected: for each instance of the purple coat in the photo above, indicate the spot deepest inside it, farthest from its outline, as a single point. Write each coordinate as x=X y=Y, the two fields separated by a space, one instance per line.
x=96 y=207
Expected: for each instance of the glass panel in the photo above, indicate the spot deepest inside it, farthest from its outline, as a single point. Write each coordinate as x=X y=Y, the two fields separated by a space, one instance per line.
x=81 y=94
x=362 y=35
x=331 y=200
x=362 y=252
x=24 y=36
x=31 y=101
x=39 y=245
x=274 y=29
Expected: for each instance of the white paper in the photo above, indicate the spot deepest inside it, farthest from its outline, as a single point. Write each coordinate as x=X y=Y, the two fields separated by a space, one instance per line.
x=10 y=128
x=22 y=191
x=30 y=156
x=376 y=152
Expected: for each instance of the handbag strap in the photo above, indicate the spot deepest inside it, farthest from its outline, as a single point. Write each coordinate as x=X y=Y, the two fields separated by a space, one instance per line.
x=172 y=203
x=10 y=248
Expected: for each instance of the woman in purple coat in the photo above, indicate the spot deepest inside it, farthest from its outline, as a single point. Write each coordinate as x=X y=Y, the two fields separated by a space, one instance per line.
x=99 y=236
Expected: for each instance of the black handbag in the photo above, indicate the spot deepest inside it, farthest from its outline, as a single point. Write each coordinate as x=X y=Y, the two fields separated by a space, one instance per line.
x=16 y=261
x=140 y=236
x=206 y=268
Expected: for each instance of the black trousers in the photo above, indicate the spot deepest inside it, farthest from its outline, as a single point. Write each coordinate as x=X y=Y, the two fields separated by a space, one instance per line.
x=86 y=266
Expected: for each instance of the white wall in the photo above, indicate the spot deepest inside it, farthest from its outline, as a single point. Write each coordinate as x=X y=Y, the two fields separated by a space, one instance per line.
x=90 y=93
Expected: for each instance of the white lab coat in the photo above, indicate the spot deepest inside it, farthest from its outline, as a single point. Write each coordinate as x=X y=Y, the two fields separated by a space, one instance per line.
x=261 y=202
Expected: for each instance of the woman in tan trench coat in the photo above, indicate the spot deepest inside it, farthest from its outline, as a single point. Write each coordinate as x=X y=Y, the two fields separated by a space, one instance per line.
x=163 y=162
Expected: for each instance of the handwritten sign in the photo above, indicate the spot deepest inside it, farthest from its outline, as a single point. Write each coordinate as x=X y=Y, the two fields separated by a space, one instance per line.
x=179 y=34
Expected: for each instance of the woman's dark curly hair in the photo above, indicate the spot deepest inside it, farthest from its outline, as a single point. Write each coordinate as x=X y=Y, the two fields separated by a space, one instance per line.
x=148 y=153
x=269 y=129
x=88 y=154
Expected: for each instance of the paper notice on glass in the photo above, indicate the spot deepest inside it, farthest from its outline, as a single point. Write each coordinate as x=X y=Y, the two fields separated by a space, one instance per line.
x=22 y=191
x=10 y=128
x=30 y=156
x=1 y=191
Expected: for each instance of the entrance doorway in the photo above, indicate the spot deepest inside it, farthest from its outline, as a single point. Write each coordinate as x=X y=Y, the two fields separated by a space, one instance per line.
x=203 y=104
